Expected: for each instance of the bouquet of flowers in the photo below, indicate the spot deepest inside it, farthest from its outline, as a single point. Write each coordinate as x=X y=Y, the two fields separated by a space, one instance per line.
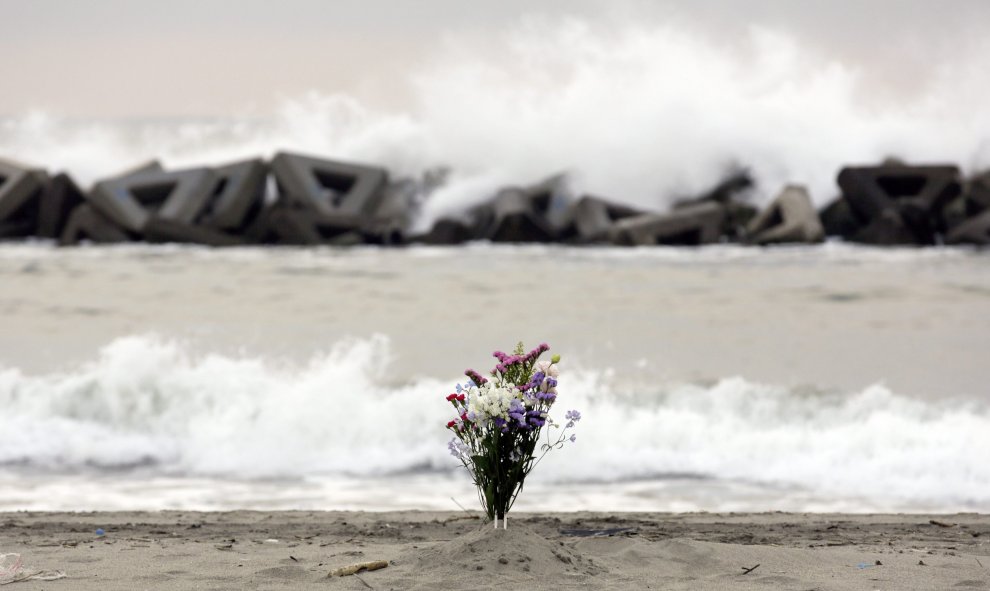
x=500 y=421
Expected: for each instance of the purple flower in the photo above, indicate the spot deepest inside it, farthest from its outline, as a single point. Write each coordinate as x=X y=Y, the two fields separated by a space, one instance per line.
x=573 y=438
x=546 y=396
x=457 y=448
x=539 y=350
x=475 y=377
x=536 y=418
x=573 y=415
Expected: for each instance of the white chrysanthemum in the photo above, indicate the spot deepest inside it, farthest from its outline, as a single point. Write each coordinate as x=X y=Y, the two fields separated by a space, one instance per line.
x=490 y=401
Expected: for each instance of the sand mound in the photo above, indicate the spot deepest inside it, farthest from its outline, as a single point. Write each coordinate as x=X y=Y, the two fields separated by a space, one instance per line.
x=516 y=549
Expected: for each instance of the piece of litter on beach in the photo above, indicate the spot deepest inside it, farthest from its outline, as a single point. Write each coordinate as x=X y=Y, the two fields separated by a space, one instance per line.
x=594 y=533
x=360 y=567
x=100 y=532
x=37 y=575
x=863 y=565
x=10 y=566
x=271 y=541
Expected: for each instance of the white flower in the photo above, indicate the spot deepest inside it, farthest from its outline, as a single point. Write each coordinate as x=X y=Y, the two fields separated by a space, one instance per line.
x=490 y=401
x=549 y=369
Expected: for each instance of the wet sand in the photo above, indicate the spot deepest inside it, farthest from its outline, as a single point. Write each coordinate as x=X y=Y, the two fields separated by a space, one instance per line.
x=445 y=550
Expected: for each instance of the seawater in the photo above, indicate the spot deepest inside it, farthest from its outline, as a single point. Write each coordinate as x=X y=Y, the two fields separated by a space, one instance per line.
x=814 y=378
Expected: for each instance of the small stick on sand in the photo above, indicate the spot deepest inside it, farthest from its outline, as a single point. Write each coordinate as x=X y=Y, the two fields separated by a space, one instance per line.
x=360 y=567
x=746 y=571
x=941 y=523
x=460 y=518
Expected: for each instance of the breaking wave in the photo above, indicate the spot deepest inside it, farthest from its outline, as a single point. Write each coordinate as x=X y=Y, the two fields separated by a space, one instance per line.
x=639 y=112
x=148 y=405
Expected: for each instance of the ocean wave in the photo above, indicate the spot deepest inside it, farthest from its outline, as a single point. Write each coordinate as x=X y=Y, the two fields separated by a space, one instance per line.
x=147 y=403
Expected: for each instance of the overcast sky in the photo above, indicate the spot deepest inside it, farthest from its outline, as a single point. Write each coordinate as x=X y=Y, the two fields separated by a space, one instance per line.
x=135 y=58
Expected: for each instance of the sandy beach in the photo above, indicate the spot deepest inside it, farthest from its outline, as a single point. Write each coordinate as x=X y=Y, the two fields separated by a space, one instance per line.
x=451 y=550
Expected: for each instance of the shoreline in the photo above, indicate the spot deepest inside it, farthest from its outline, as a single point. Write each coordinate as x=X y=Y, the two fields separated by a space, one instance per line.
x=452 y=550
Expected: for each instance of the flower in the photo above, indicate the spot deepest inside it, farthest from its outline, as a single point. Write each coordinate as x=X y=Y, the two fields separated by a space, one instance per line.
x=457 y=448
x=475 y=377
x=491 y=401
x=547 y=368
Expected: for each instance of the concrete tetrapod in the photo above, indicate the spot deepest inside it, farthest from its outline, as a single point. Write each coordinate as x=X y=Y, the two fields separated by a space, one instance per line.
x=58 y=200
x=687 y=226
x=978 y=190
x=448 y=230
x=537 y=213
x=726 y=193
x=791 y=217
x=838 y=219
x=975 y=199
x=238 y=197
x=297 y=226
x=975 y=230
x=516 y=219
x=20 y=199
x=593 y=217
x=176 y=196
x=161 y=230
x=85 y=223
x=328 y=187
x=899 y=204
